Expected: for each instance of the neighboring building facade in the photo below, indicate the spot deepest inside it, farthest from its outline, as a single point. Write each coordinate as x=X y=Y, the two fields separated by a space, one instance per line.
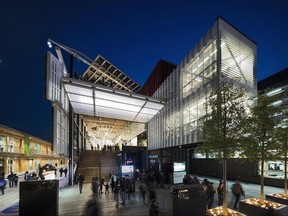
x=275 y=86
x=224 y=50
x=20 y=152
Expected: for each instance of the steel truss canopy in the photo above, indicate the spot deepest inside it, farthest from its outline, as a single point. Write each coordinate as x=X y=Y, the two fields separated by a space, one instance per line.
x=102 y=72
x=96 y=100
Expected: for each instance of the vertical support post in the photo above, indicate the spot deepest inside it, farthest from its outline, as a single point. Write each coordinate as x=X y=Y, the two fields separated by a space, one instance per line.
x=71 y=66
x=71 y=132
x=71 y=143
x=188 y=161
x=78 y=133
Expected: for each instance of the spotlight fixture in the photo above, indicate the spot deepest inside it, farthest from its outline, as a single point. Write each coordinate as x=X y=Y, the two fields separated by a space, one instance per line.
x=49 y=44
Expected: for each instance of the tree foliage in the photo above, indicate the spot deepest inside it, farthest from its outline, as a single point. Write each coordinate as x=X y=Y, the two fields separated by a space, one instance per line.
x=281 y=137
x=259 y=143
x=222 y=125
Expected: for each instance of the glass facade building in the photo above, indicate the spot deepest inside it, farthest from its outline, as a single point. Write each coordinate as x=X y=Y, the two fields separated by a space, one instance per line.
x=223 y=51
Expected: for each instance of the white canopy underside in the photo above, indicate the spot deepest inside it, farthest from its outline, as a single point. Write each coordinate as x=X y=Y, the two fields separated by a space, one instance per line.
x=96 y=100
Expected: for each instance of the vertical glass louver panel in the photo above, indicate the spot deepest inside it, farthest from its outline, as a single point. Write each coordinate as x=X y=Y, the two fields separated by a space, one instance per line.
x=238 y=55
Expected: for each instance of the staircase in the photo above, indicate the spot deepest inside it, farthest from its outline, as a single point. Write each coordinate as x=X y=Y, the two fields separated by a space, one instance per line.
x=97 y=163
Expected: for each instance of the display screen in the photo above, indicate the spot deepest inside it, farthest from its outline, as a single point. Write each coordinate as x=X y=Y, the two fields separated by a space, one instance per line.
x=178 y=177
x=127 y=169
x=179 y=166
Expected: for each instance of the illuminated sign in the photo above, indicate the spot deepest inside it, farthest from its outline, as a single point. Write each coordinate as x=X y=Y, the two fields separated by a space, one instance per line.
x=179 y=166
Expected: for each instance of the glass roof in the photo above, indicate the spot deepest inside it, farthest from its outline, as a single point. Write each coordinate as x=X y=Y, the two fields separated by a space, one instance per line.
x=96 y=100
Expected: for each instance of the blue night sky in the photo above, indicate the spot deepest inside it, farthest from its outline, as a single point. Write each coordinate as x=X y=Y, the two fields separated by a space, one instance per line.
x=131 y=34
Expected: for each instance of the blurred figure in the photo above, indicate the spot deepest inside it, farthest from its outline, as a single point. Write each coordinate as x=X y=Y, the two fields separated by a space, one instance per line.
x=91 y=208
x=101 y=185
x=10 y=178
x=65 y=172
x=142 y=188
x=34 y=176
x=80 y=181
x=26 y=174
x=61 y=171
x=95 y=186
x=123 y=186
x=107 y=188
x=15 y=179
x=195 y=180
x=2 y=184
x=116 y=191
x=210 y=195
x=220 y=191
x=237 y=190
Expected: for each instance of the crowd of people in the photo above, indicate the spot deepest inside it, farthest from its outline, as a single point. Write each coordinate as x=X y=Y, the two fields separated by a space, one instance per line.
x=61 y=170
x=236 y=190
x=13 y=178
x=105 y=147
x=123 y=187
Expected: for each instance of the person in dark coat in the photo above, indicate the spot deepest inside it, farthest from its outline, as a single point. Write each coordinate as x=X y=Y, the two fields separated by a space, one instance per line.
x=237 y=190
x=95 y=186
x=61 y=171
x=15 y=179
x=10 y=178
x=117 y=191
x=210 y=195
x=80 y=181
x=65 y=172
x=2 y=184
x=220 y=191
x=123 y=189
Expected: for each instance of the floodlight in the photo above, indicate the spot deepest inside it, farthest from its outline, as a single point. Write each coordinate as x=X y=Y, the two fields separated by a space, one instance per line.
x=49 y=44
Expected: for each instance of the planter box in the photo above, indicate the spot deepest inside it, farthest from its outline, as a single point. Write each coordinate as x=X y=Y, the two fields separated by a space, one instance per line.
x=219 y=212
x=278 y=198
x=250 y=207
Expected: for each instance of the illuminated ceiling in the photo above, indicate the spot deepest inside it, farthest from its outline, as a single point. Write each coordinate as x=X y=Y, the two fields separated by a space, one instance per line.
x=96 y=100
x=118 y=131
x=110 y=113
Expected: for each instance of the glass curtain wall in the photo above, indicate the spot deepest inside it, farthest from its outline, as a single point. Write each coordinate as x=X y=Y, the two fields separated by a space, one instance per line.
x=222 y=50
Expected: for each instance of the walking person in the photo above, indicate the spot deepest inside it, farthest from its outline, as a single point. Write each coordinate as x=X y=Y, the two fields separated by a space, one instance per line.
x=10 y=178
x=80 y=181
x=237 y=190
x=123 y=186
x=95 y=186
x=142 y=188
x=112 y=181
x=65 y=172
x=61 y=171
x=26 y=174
x=220 y=191
x=2 y=184
x=106 y=188
x=101 y=186
x=210 y=195
x=15 y=179
x=116 y=191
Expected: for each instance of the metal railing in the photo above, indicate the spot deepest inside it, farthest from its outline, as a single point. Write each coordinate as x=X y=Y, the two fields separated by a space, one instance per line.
x=20 y=150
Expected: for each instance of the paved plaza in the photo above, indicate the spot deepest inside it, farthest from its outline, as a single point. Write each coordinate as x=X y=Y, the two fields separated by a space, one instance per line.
x=71 y=202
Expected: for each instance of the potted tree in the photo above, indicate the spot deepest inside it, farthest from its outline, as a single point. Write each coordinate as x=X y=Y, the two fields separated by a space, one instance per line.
x=281 y=137
x=221 y=129
x=259 y=144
